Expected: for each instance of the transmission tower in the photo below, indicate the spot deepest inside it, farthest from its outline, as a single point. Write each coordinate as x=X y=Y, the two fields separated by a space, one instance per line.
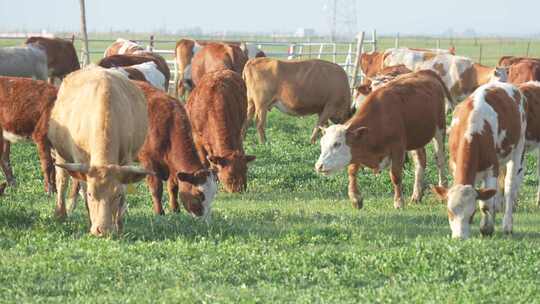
x=342 y=18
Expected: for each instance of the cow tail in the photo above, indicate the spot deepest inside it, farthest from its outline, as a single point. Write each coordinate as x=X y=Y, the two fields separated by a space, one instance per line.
x=451 y=101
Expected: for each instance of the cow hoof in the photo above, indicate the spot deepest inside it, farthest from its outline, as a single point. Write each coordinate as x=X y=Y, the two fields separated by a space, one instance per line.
x=398 y=204
x=486 y=229
x=357 y=203
x=416 y=198
x=60 y=215
x=3 y=188
x=12 y=183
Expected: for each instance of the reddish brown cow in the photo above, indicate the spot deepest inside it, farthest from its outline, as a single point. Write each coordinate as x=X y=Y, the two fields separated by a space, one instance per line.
x=217 y=109
x=129 y=60
x=215 y=57
x=25 y=108
x=404 y=115
x=170 y=152
x=523 y=71
x=487 y=131
x=61 y=55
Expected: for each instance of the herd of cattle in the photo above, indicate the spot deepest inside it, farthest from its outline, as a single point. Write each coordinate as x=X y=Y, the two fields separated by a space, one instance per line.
x=103 y=118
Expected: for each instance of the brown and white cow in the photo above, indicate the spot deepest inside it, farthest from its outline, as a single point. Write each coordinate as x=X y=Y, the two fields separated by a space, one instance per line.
x=487 y=131
x=123 y=47
x=146 y=71
x=170 y=152
x=404 y=115
x=372 y=83
x=25 y=107
x=298 y=88
x=214 y=57
x=61 y=55
x=97 y=126
x=373 y=63
x=524 y=71
x=217 y=108
x=142 y=57
x=185 y=50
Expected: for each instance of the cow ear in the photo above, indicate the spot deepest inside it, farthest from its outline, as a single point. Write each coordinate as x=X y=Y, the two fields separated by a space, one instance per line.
x=218 y=161
x=196 y=178
x=441 y=192
x=250 y=158
x=322 y=129
x=75 y=170
x=129 y=174
x=485 y=194
x=358 y=132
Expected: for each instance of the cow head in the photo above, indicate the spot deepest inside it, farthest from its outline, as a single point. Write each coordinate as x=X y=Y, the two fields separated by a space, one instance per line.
x=336 y=149
x=105 y=192
x=232 y=170
x=371 y=63
x=461 y=206
x=197 y=192
x=500 y=73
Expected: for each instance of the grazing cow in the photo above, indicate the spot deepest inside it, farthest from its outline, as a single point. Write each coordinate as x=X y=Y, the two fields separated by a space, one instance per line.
x=122 y=47
x=531 y=91
x=130 y=60
x=146 y=71
x=373 y=63
x=370 y=84
x=461 y=75
x=299 y=88
x=404 y=115
x=61 y=55
x=524 y=71
x=97 y=126
x=217 y=108
x=214 y=57
x=25 y=107
x=23 y=62
x=185 y=50
x=170 y=152
x=487 y=131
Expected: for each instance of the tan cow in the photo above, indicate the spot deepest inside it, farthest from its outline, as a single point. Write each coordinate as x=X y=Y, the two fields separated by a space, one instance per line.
x=506 y=61
x=403 y=115
x=217 y=109
x=299 y=88
x=123 y=47
x=487 y=131
x=97 y=126
x=524 y=71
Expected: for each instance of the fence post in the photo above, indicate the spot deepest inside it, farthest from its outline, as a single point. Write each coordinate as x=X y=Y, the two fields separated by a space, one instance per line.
x=374 y=39
x=359 y=46
x=396 y=41
x=291 y=51
x=480 y=55
x=334 y=55
x=321 y=49
x=528 y=48
x=73 y=38
x=438 y=43
x=151 y=45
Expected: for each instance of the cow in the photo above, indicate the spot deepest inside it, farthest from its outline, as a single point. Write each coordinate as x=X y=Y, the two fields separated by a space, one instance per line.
x=507 y=61
x=486 y=133
x=61 y=55
x=298 y=88
x=99 y=145
x=217 y=108
x=27 y=61
x=213 y=57
x=25 y=107
x=370 y=84
x=461 y=75
x=524 y=71
x=403 y=115
x=185 y=50
x=373 y=63
x=170 y=152
x=123 y=47
x=130 y=60
x=146 y=71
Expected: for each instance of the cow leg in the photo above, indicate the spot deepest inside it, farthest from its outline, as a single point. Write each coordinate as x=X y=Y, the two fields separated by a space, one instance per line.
x=261 y=123
x=3 y=185
x=72 y=195
x=118 y=217
x=46 y=161
x=419 y=157
x=172 y=189
x=76 y=184
x=61 y=182
x=511 y=185
x=156 y=189
x=5 y=163
x=249 y=117
x=354 y=195
x=438 y=145
x=487 y=207
x=396 y=170
x=322 y=121
x=498 y=201
x=538 y=177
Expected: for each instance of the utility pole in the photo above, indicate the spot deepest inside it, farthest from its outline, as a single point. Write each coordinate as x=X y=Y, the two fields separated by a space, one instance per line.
x=334 y=19
x=86 y=59
x=342 y=18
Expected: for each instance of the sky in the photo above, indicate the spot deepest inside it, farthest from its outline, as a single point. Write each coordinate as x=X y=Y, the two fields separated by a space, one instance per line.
x=503 y=17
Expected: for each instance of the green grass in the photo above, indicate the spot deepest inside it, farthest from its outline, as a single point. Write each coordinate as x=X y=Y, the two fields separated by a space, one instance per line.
x=293 y=237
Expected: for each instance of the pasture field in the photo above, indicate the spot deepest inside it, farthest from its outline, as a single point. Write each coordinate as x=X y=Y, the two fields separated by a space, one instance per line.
x=293 y=237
